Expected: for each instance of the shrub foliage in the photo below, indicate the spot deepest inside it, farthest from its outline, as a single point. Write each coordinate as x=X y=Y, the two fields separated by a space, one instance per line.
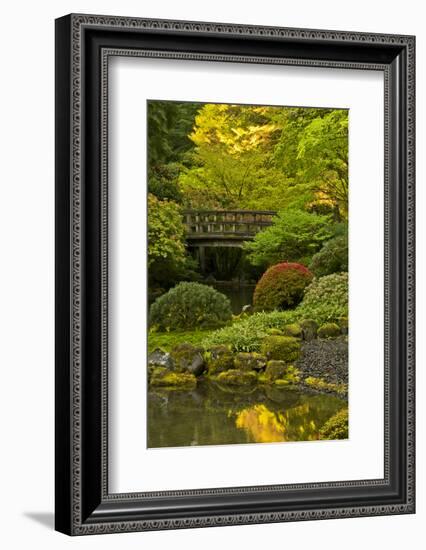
x=332 y=258
x=326 y=299
x=281 y=287
x=336 y=427
x=190 y=305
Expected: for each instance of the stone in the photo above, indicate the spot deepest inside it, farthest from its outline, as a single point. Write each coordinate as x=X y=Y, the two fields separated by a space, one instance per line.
x=249 y=361
x=293 y=329
x=163 y=377
x=187 y=358
x=275 y=370
x=329 y=330
x=309 y=329
x=237 y=377
x=343 y=323
x=159 y=358
x=221 y=359
x=281 y=348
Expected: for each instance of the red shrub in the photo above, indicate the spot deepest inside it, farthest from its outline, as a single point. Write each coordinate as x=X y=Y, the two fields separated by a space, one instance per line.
x=281 y=287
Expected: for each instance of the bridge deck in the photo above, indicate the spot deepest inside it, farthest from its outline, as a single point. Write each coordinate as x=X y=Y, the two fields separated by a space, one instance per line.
x=225 y=227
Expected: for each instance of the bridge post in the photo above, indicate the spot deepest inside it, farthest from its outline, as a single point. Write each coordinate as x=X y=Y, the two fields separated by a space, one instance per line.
x=202 y=258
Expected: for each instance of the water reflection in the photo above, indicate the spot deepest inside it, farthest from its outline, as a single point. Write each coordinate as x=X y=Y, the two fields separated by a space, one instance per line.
x=214 y=415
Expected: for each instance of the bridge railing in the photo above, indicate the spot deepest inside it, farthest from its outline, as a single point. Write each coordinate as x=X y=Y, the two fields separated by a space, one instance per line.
x=227 y=222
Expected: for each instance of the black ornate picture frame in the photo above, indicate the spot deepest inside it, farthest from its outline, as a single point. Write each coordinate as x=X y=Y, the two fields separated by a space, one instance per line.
x=84 y=43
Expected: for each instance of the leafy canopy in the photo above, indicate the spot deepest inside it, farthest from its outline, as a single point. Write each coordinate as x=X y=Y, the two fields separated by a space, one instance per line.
x=294 y=236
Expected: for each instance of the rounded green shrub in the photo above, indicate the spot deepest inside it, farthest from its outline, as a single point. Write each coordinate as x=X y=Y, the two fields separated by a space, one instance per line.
x=328 y=330
x=332 y=258
x=190 y=305
x=326 y=299
x=336 y=427
x=281 y=348
x=281 y=287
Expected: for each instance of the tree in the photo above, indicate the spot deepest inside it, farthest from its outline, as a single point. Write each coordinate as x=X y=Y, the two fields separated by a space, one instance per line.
x=313 y=151
x=167 y=257
x=294 y=236
x=231 y=163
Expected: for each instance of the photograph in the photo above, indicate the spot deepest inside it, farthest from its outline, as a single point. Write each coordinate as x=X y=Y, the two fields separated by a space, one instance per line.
x=247 y=270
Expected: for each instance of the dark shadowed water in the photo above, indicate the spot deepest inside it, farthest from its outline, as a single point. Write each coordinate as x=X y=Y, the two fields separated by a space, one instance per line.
x=239 y=295
x=214 y=415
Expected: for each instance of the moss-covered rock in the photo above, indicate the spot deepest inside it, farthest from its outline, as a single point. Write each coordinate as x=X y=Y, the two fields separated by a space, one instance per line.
x=309 y=329
x=275 y=369
x=221 y=359
x=187 y=358
x=281 y=374
x=294 y=329
x=281 y=348
x=322 y=385
x=329 y=330
x=249 y=361
x=343 y=323
x=336 y=427
x=161 y=376
x=275 y=332
x=236 y=377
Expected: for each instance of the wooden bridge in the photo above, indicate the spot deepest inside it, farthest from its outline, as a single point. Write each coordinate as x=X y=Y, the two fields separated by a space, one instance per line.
x=223 y=228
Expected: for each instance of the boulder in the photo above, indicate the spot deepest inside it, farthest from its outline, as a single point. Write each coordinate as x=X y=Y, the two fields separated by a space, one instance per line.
x=236 y=377
x=309 y=329
x=275 y=370
x=249 y=361
x=160 y=358
x=187 y=358
x=329 y=330
x=294 y=329
x=281 y=348
x=163 y=377
x=221 y=359
x=343 y=323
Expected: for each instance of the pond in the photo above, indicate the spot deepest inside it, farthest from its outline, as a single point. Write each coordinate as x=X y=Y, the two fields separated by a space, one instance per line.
x=239 y=295
x=215 y=415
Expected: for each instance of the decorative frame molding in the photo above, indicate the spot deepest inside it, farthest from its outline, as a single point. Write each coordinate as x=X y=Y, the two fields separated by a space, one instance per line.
x=84 y=43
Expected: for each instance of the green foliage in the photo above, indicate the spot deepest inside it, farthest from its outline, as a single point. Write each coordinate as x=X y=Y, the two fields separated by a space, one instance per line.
x=190 y=305
x=281 y=287
x=167 y=257
x=313 y=150
x=332 y=258
x=294 y=234
x=162 y=182
x=281 y=348
x=326 y=299
x=337 y=427
x=329 y=330
x=247 y=334
x=168 y=340
x=169 y=123
x=230 y=164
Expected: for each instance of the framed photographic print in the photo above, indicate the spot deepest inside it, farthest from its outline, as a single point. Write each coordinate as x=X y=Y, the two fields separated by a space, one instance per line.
x=234 y=274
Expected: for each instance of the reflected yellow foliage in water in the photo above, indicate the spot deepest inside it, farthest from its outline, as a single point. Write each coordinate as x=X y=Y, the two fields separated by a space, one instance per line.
x=267 y=426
